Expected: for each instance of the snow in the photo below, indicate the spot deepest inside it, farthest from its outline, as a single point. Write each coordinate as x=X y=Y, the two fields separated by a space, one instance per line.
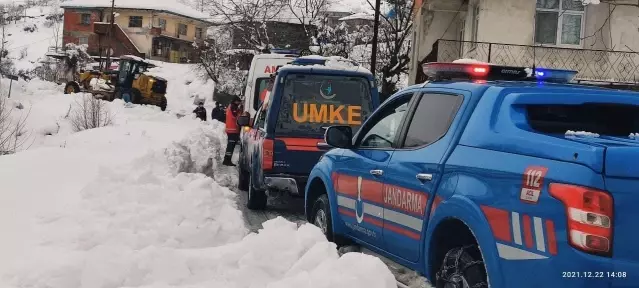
x=589 y=2
x=25 y=48
x=469 y=61
x=144 y=203
x=581 y=134
x=359 y=16
x=158 y=5
x=634 y=136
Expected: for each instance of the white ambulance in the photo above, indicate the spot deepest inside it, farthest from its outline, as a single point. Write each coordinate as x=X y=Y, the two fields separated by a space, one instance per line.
x=262 y=66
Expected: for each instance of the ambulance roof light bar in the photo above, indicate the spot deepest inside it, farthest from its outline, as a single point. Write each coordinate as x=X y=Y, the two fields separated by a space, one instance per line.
x=438 y=71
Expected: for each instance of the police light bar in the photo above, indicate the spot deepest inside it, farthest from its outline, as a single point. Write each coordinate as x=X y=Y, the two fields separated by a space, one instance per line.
x=480 y=71
x=473 y=71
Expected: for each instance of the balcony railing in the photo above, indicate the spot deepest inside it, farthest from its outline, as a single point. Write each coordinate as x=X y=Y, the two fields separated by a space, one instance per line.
x=593 y=65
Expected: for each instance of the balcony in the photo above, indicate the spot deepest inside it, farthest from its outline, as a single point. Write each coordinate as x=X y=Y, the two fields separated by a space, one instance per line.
x=593 y=65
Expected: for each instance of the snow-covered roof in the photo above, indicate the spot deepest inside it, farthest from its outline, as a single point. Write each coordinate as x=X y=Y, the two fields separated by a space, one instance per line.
x=333 y=63
x=168 y=6
x=350 y=6
x=359 y=16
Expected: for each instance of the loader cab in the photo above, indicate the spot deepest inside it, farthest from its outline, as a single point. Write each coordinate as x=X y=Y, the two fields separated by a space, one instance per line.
x=130 y=69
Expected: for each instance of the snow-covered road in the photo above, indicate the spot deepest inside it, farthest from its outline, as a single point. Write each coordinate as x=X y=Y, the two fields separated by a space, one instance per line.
x=144 y=203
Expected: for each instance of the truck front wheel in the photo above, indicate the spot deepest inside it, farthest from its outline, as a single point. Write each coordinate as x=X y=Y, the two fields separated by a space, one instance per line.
x=462 y=268
x=256 y=198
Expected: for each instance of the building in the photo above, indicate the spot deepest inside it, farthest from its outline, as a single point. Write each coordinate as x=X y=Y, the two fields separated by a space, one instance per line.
x=598 y=40
x=143 y=28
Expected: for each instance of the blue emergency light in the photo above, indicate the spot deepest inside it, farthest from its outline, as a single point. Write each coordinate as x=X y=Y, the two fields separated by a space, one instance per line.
x=484 y=71
x=554 y=75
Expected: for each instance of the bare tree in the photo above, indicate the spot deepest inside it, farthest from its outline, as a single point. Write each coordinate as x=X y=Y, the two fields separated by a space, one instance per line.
x=12 y=130
x=394 y=45
x=247 y=19
x=309 y=13
x=90 y=112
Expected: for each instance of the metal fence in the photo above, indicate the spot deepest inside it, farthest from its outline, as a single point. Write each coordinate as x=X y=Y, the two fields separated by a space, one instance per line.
x=593 y=65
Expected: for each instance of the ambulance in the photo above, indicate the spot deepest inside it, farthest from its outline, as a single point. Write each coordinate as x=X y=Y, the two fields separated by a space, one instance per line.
x=262 y=67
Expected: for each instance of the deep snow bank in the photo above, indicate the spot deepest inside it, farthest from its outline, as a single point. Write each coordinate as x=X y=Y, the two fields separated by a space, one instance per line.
x=131 y=205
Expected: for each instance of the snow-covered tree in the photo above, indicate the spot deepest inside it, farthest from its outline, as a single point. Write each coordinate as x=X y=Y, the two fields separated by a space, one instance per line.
x=247 y=19
x=218 y=64
x=394 y=45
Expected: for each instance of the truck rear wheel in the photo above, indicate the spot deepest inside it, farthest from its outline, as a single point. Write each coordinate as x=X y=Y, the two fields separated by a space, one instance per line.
x=462 y=268
x=256 y=198
x=243 y=178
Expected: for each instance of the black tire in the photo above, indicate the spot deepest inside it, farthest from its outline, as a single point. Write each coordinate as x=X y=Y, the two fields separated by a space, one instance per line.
x=136 y=97
x=462 y=267
x=163 y=103
x=71 y=88
x=243 y=178
x=256 y=199
x=321 y=216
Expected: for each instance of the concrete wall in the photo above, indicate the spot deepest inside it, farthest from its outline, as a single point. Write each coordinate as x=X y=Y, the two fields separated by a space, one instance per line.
x=142 y=36
x=513 y=22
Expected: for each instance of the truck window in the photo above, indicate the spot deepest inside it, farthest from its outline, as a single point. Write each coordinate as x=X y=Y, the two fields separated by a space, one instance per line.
x=260 y=85
x=381 y=131
x=432 y=119
x=602 y=118
x=311 y=102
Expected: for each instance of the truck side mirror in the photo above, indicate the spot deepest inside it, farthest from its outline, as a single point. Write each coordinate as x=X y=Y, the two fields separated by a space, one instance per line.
x=244 y=120
x=339 y=136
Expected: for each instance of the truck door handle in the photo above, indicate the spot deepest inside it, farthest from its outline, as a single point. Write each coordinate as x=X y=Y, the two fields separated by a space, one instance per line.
x=377 y=172
x=424 y=177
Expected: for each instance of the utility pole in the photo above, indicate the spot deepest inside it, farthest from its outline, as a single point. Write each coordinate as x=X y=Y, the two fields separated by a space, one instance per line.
x=108 y=52
x=375 y=31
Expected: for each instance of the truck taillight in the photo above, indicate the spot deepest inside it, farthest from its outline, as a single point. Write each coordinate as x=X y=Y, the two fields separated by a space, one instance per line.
x=589 y=213
x=267 y=154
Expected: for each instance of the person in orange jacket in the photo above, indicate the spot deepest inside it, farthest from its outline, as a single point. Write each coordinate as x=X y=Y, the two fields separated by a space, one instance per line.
x=232 y=129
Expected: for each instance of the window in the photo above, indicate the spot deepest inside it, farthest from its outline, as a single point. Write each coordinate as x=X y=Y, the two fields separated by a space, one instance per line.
x=559 y=22
x=182 y=29
x=385 y=127
x=135 y=21
x=83 y=40
x=432 y=119
x=260 y=85
x=609 y=119
x=311 y=102
x=85 y=19
x=162 y=24
x=198 y=33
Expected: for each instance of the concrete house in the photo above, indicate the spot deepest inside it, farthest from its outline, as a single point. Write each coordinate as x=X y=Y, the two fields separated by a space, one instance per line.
x=144 y=28
x=598 y=40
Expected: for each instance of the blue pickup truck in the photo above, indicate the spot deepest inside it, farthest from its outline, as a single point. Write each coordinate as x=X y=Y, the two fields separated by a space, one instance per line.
x=490 y=176
x=280 y=146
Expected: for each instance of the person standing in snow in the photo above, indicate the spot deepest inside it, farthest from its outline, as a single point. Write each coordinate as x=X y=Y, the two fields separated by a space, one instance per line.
x=232 y=129
x=218 y=112
x=200 y=111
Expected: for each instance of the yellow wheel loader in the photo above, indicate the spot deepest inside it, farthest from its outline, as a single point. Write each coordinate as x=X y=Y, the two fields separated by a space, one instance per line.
x=131 y=83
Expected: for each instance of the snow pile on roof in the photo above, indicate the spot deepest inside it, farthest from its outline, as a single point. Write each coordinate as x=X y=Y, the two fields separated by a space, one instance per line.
x=169 y=6
x=634 y=136
x=359 y=16
x=581 y=134
x=469 y=61
x=589 y=2
x=350 y=6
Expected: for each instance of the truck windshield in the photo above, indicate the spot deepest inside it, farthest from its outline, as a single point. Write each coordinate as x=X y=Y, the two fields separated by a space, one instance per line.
x=311 y=102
